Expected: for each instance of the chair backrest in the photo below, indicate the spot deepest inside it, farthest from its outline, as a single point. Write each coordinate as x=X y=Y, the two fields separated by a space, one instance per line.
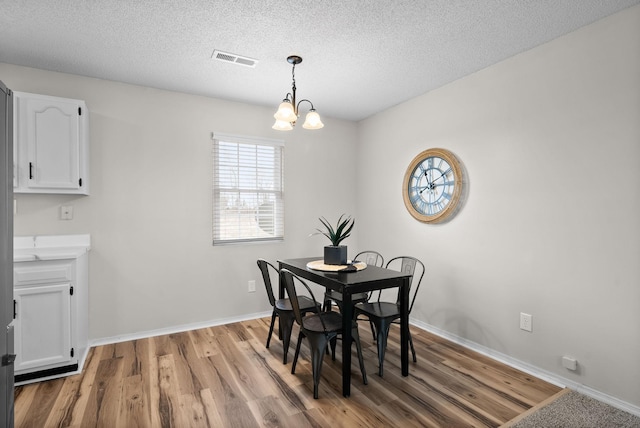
x=266 y=278
x=290 y=279
x=412 y=266
x=371 y=258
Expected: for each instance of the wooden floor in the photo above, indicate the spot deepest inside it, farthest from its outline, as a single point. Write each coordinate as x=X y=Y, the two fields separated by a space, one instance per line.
x=225 y=377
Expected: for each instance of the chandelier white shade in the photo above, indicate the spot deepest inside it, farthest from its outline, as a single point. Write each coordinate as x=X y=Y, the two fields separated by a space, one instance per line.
x=288 y=112
x=312 y=121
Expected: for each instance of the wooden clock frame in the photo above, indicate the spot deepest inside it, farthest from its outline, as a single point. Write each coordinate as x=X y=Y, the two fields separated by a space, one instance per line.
x=454 y=203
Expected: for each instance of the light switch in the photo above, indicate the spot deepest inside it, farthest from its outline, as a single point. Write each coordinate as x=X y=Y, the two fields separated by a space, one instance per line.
x=66 y=212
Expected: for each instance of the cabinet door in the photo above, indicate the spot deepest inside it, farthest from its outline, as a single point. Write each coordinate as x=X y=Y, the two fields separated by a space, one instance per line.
x=52 y=132
x=42 y=326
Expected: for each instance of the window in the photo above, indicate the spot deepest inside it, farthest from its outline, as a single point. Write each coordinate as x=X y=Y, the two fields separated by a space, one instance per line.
x=248 y=194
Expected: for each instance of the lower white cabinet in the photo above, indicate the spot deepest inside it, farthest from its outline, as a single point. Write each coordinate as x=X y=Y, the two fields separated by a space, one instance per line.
x=43 y=327
x=51 y=317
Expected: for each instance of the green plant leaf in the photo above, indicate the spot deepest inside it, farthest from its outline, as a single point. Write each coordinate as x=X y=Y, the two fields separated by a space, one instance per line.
x=343 y=229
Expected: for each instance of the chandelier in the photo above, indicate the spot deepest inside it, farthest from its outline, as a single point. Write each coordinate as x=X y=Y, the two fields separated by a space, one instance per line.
x=287 y=113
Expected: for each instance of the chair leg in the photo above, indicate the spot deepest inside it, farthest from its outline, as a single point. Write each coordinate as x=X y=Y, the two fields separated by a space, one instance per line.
x=413 y=350
x=356 y=338
x=286 y=323
x=326 y=307
x=317 y=343
x=373 y=330
x=295 y=357
x=273 y=321
x=383 y=333
x=332 y=343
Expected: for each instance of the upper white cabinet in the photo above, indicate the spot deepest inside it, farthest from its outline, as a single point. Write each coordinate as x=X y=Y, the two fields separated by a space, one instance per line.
x=51 y=144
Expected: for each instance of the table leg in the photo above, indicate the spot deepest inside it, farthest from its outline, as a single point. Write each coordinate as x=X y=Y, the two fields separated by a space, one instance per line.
x=404 y=326
x=347 y=317
x=280 y=283
x=280 y=296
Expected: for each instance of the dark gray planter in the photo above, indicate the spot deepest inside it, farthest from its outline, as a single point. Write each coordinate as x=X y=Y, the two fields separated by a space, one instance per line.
x=335 y=255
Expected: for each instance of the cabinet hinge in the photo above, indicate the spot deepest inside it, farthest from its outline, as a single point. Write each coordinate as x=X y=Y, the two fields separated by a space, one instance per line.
x=79 y=111
x=80 y=182
x=71 y=291
x=71 y=352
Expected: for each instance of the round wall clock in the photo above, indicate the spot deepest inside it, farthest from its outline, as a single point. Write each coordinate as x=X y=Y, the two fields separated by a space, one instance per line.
x=432 y=186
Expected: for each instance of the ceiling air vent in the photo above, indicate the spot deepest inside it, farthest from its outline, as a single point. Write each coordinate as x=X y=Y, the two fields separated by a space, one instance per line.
x=233 y=58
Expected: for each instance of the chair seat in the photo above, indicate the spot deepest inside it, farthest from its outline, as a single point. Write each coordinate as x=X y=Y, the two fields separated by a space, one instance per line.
x=305 y=304
x=337 y=296
x=332 y=322
x=379 y=309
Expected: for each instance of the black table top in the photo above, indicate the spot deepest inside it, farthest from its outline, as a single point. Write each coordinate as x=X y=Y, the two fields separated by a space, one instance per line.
x=370 y=278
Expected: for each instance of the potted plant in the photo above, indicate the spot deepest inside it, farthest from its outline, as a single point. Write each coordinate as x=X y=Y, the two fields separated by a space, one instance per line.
x=336 y=254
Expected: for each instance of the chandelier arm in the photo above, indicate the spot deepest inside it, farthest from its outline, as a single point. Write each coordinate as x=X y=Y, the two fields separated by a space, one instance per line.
x=300 y=102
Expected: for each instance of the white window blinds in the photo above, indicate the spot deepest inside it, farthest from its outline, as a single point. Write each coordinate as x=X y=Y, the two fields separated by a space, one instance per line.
x=248 y=194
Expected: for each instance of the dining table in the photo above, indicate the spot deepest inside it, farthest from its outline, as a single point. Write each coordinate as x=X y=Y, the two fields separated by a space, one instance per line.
x=349 y=282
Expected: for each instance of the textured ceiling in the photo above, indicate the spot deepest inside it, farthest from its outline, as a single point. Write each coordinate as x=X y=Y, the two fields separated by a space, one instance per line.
x=360 y=57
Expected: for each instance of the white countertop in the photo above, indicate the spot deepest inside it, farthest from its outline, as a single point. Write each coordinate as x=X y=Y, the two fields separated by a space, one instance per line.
x=50 y=247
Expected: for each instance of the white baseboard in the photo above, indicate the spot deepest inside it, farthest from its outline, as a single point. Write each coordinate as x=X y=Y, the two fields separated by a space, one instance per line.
x=547 y=376
x=176 y=329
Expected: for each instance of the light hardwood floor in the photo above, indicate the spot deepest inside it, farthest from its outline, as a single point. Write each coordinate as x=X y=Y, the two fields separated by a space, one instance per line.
x=225 y=377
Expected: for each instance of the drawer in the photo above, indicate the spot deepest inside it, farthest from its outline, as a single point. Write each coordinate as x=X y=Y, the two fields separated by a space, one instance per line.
x=43 y=272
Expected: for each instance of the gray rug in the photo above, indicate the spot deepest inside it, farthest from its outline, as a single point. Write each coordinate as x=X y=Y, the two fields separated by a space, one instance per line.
x=577 y=410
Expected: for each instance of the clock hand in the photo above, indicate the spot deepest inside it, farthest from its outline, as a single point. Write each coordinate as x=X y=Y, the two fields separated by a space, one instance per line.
x=427 y=177
x=441 y=175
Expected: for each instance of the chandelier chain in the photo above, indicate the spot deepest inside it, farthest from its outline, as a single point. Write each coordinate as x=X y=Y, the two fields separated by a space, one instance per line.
x=293 y=77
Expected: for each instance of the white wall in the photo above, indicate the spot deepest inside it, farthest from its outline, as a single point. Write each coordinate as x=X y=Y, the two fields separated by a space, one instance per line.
x=152 y=265
x=551 y=227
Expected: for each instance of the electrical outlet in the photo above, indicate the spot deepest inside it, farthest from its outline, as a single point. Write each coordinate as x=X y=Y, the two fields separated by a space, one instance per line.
x=252 y=286
x=526 y=322
x=569 y=363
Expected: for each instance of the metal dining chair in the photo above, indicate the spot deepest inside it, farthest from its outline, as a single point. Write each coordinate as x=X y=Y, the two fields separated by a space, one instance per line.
x=320 y=329
x=282 y=308
x=382 y=314
x=371 y=258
